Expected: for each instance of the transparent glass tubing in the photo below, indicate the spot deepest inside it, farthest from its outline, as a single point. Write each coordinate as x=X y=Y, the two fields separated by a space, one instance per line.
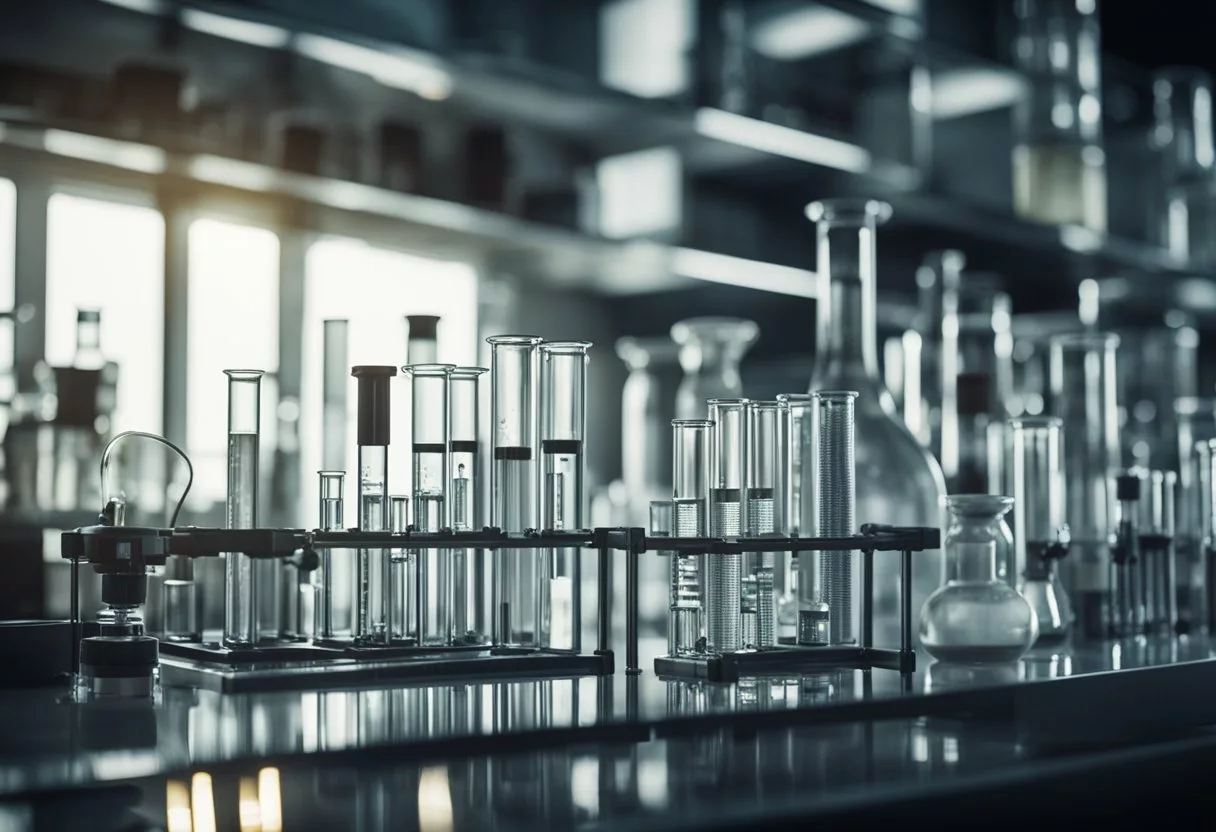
x=690 y=495
x=404 y=620
x=727 y=518
x=240 y=589
x=471 y=576
x=513 y=479
x=758 y=613
x=563 y=386
x=374 y=600
x=431 y=472
x=329 y=518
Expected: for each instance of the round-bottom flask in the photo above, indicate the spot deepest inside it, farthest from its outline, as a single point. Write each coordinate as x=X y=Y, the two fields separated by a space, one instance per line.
x=975 y=617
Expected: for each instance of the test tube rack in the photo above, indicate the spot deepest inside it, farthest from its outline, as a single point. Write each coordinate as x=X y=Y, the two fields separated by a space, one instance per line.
x=729 y=667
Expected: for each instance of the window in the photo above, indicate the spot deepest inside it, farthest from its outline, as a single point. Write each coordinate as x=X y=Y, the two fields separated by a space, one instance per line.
x=233 y=323
x=374 y=289
x=108 y=256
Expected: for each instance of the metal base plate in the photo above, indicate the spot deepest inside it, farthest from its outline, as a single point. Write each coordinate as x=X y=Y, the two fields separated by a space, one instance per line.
x=307 y=667
x=729 y=667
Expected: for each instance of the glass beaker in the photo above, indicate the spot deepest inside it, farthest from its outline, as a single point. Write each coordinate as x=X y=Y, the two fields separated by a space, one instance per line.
x=1082 y=378
x=710 y=352
x=897 y=481
x=1059 y=166
x=975 y=617
x=1182 y=104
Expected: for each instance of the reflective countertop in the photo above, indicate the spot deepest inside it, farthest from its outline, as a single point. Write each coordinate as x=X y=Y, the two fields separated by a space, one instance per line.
x=48 y=741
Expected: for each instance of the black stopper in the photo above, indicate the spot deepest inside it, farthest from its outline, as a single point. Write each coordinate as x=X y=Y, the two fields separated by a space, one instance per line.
x=974 y=394
x=107 y=656
x=121 y=590
x=374 y=401
x=1127 y=487
x=425 y=327
x=92 y=316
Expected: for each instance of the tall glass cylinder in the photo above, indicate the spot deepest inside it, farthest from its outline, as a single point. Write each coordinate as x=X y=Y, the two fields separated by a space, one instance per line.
x=1040 y=528
x=690 y=495
x=240 y=578
x=513 y=479
x=727 y=518
x=758 y=608
x=333 y=394
x=897 y=481
x=431 y=476
x=375 y=586
x=1059 y=167
x=563 y=392
x=795 y=518
x=404 y=617
x=333 y=595
x=1183 y=134
x=710 y=352
x=835 y=494
x=937 y=282
x=1082 y=378
x=422 y=339
x=470 y=568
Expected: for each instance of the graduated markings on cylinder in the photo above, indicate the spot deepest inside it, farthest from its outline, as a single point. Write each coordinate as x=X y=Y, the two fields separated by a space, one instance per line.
x=836 y=508
x=723 y=576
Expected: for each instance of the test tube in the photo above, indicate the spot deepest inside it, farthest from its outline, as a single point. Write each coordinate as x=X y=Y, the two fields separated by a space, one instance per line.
x=835 y=495
x=1126 y=617
x=329 y=519
x=690 y=493
x=513 y=369
x=333 y=394
x=794 y=452
x=727 y=507
x=1081 y=371
x=403 y=570
x=372 y=610
x=1195 y=586
x=563 y=392
x=470 y=574
x=1157 y=549
x=240 y=590
x=429 y=394
x=759 y=598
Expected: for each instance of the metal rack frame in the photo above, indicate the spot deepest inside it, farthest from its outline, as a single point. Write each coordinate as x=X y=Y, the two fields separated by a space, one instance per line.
x=728 y=667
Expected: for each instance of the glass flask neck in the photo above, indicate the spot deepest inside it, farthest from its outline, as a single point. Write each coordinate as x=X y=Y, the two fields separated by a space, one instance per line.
x=846 y=331
x=975 y=529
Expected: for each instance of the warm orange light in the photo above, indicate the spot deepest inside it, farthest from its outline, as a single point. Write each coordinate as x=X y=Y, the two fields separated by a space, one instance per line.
x=177 y=807
x=270 y=800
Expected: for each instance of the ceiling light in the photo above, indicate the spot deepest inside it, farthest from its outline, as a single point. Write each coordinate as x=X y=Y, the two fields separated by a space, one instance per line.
x=233 y=28
x=803 y=32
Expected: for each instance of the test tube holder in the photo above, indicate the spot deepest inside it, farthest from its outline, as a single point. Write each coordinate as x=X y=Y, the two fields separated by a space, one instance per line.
x=729 y=667
x=319 y=664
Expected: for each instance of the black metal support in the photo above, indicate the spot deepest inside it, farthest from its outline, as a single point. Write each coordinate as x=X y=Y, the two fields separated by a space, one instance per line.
x=605 y=599
x=905 y=601
x=635 y=544
x=867 y=599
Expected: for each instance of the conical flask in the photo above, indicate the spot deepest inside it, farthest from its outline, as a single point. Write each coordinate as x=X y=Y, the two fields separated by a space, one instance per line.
x=897 y=481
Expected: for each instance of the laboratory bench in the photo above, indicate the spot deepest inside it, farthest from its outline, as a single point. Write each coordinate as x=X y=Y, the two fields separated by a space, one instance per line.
x=633 y=751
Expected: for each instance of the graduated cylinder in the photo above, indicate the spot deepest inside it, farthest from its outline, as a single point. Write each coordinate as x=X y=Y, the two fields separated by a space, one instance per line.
x=429 y=394
x=470 y=567
x=240 y=577
x=690 y=495
x=513 y=478
x=563 y=388
x=727 y=510
x=332 y=595
x=374 y=602
x=758 y=605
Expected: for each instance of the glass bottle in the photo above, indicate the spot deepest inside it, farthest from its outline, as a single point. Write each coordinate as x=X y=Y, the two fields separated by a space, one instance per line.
x=647 y=408
x=1182 y=104
x=975 y=617
x=897 y=481
x=1059 y=166
x=710 y=352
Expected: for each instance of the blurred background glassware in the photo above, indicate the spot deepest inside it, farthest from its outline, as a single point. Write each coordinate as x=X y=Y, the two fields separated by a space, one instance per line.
x=647 y=408
x=1082 y=372
x=1059 y=164
x=1182 y=105
x=975 y=617
x=897 y=481
x=937 y=282
x=1196 y=419
x=710 y=352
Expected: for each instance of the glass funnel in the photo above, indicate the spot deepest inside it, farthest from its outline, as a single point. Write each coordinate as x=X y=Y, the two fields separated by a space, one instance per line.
x=975 y=617
x=710 y=352
x=897 y=481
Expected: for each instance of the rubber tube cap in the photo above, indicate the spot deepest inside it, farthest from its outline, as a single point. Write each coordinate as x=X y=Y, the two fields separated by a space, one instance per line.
x=374 y=400
x=1127 y=487
x=423 y=326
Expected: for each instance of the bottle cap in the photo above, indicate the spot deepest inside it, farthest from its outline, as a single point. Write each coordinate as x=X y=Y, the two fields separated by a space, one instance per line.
x=374 y=402
x=974 y=394
x=423 y=326
x=1127 y=487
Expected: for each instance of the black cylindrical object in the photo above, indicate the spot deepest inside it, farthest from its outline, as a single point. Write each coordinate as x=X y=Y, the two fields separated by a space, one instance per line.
x=120 y=590
x=374 y=402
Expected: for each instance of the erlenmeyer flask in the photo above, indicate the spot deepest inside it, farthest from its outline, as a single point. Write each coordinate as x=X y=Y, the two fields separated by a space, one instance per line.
x=898 y=482
x=710 y=352
x=975 y=617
